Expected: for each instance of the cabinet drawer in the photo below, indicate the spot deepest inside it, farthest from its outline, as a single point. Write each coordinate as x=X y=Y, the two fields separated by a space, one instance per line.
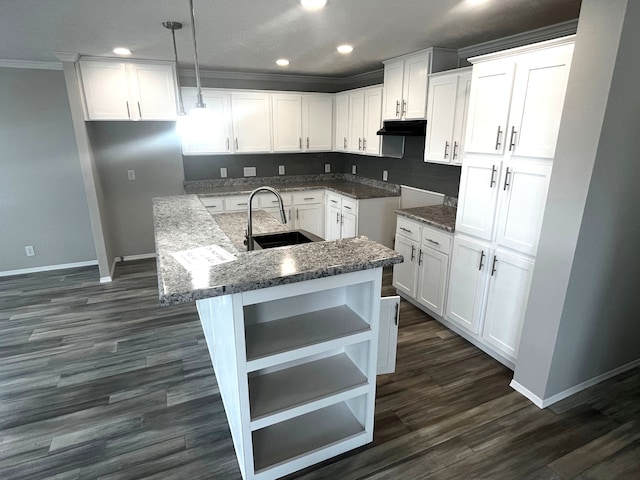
x=334 y=200
x=267 y=200
x=312 y=196
x=213 y=204
x=349 y=205
x=437 y=240
x=239 y=202
x=408 y=229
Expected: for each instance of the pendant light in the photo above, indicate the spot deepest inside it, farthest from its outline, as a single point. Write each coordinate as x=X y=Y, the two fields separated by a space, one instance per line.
x=199 y=102
x=173 y=26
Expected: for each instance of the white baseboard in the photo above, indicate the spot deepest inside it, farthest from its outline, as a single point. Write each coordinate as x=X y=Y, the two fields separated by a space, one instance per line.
x=544 y=403
x=141 y=256
x=47 y=268
x=106 y=279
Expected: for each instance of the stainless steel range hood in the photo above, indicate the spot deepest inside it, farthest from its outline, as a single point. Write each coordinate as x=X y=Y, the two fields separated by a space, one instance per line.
x=404 y=128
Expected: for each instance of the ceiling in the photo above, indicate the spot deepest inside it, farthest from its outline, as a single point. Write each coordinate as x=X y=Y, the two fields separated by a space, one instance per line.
x=249 y=35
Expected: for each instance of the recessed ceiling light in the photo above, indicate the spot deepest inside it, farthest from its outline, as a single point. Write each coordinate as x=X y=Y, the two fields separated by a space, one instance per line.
x=283 y=62
x=122 y=51
x=313 y=4
x=345 y=48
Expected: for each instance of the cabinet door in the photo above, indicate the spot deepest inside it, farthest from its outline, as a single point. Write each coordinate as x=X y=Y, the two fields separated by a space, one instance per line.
x=349 y=225
x=509 y=286
x=317 y=122
x=251 y=122
x=356 y=121
x=467 y=282
x=393 y=81
x=388 y=334
x=489 y=103
x=479 y=183
x=342 y=123
x=372 y=112
x=460 y=124
x=286 y=112
x=523 y=197
x=441 y=111
x=432 y=278
x=106 y=90
x=310 y=218
x=153 y=91
x=333 y=225
x=405 y=276
x=538 y=100
x=207 y=135
x=414 y=90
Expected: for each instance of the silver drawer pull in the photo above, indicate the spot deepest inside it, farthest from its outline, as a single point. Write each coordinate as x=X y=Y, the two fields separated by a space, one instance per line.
x=241 y=203
x=433 y=241
x=348 y=208
x=309 y=198
x=333 y=201
x=405 y=230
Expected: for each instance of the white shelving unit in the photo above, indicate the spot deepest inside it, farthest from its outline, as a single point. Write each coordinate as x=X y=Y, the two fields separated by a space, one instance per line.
x=296 y=366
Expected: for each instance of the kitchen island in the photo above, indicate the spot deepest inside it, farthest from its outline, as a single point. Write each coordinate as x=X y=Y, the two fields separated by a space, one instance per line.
x=293 y=332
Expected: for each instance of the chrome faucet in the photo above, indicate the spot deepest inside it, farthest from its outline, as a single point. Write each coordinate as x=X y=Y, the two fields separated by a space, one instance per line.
x=249 y=212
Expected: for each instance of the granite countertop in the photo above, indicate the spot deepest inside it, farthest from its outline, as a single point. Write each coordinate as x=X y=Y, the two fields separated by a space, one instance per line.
x=360 y=190
x=182 y=223
x=439 y=216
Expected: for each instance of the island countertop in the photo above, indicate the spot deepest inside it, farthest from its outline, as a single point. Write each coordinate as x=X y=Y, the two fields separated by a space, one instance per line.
x=182 y=223
x=438 y=216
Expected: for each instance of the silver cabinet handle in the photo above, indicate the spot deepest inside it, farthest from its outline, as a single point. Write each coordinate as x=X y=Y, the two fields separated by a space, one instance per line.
x=289 y=214
x=139 y=110
x=433 y=241
x=341 y=219
x=236 y=143
x=333 y=201
x=344 y=144
x=397 y=108
x=481 y=260
x=347 y=207
x=455 y=150
x=364 y=144
x=300 y=142
x=337 y=217
x=243 y=204
x=493 y=266
x=128 y=111
x=305 y=198
x=227 y=144
x=498 y=143
x=420 y=258
x=405 y=230
x=404 y=108
x=506 y=179
x=413 y=252
x=446 y=149
x=297 y=214
x=512 y=142
x=359 y=143
x=307 y=143
x=493 y=176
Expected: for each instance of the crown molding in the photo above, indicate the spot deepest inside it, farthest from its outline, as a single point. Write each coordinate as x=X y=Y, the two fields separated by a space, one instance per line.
x=520 y=39
x=280 y=77
x=30 y=64
x=67 y=56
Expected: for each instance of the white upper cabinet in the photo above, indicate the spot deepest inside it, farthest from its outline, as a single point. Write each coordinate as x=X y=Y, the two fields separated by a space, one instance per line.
x=372 y=110
x=356 y=121
x=405 y=82
x=212 y=136
x=317 y=123
x=286 y=110
x=342 y=122
x=251 y=121
x=447 y=104
x=538 y=99
x=128 y=91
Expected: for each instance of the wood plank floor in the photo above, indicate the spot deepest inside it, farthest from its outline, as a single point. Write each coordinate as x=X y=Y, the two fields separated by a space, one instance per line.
x=98 y=381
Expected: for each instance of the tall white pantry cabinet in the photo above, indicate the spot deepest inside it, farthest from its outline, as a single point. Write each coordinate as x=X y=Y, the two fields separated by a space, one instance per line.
x=515 y=107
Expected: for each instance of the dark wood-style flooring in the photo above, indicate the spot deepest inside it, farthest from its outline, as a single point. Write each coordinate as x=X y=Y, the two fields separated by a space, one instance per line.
x=99 y=381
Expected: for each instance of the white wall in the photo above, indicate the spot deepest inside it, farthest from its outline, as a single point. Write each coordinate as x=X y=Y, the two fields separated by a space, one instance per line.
x=42 y=198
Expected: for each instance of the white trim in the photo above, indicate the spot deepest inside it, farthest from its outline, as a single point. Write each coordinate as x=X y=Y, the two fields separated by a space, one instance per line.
x=556 y=42
x=537 y=401
x=525 y=38
x=30 y=64
x=46 y=268
x=105 y=279
x=141 y=256
x=67 y=56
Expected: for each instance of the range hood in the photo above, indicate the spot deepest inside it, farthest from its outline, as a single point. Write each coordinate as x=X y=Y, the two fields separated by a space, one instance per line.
x=404 y=128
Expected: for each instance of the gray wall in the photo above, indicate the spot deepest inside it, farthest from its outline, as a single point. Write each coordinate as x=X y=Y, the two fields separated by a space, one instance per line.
x=152 y=149
x=42 y=198
x=581 y=320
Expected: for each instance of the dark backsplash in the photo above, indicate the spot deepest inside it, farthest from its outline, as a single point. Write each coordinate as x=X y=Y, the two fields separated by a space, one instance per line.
x=410 y=170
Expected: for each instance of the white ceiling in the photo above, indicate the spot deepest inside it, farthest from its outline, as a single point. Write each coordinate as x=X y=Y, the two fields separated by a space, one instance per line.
x=249 y=35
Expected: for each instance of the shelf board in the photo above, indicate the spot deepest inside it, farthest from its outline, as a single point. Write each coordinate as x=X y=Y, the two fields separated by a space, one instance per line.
x=299 y=331
x=293 y=391
x=303 y=435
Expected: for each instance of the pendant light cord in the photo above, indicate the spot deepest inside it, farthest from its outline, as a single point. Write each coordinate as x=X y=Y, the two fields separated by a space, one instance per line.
x=199 y=101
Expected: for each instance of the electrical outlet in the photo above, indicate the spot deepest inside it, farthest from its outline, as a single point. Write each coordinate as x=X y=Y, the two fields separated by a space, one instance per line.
x=249 y=171
x=327 y=168
x=353 y=169
x=30 y=251
x=223 y=172
x=131 y=174
x=385 y=175
x=280 y=169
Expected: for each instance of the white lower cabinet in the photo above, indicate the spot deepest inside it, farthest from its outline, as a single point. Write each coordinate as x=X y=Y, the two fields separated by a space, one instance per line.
x=423 y=274
x=296 y=366
x=341 y=218
x=307 y=212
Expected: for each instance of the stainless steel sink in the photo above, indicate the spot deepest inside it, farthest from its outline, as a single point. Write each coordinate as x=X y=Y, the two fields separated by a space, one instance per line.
x=284 y=239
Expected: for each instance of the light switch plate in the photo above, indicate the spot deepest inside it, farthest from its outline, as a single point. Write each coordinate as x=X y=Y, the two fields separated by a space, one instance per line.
x=353 y=169
x=131 y=174
x=385 y=175
x=223 y=172
x=29 y=251
x=327 y=168
x=280 y=169
x=249 y=171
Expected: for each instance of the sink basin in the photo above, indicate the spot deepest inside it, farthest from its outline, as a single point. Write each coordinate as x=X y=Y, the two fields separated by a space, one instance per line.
x=284 y=239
